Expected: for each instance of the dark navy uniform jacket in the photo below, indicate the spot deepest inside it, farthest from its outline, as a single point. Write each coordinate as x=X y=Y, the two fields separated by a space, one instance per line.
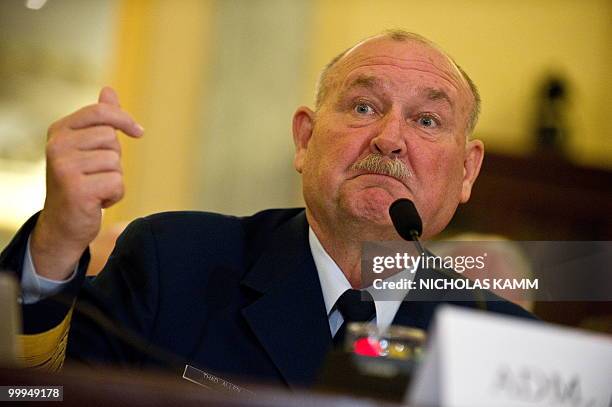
x=236 y=297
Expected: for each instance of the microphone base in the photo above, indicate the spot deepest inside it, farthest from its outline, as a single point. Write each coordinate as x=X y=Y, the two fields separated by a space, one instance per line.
x=379 y=378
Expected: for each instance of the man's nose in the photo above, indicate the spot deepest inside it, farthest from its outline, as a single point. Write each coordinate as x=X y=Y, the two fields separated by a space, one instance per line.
x=389 y=141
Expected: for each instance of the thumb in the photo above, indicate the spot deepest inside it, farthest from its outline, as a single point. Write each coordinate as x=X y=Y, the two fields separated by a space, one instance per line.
x=108 y=96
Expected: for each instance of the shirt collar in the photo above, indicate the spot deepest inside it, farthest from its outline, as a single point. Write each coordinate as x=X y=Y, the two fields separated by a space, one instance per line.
x=334 y=283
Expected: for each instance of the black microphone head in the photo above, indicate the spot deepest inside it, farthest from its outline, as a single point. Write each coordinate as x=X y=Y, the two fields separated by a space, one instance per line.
x=405 y=218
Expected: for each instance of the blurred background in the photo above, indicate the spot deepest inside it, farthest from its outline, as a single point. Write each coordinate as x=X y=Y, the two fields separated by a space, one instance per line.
x=215 y=83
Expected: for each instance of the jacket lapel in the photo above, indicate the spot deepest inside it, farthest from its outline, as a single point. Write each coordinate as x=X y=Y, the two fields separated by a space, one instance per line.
x=289 y=319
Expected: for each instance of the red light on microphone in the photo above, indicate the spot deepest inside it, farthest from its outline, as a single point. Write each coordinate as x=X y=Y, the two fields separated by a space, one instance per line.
x=367 y=347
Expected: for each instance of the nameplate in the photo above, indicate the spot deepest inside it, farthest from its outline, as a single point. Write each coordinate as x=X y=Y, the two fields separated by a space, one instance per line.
x=212 y=382
x=484 y=359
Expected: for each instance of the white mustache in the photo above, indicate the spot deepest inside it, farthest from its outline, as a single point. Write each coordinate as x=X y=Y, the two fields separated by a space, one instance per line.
x=379 y=164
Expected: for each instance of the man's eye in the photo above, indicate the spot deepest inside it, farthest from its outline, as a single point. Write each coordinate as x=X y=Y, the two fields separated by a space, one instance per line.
x=428 y=121
x=363 y=109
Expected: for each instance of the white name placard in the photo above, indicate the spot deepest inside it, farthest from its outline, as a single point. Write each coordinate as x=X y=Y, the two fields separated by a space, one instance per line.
x=485 y=359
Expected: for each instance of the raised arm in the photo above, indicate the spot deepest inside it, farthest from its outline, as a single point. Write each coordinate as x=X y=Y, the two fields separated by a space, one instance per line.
x=84 y=175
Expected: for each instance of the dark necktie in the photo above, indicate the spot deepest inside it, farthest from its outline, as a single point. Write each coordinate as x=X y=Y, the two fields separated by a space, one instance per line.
x=353 y=309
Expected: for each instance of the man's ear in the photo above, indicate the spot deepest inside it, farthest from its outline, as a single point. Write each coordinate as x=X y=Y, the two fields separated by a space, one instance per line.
x=474 y=153
x=303 y=124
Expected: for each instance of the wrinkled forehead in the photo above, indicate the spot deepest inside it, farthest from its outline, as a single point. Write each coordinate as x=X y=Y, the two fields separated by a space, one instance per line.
x=407 y=54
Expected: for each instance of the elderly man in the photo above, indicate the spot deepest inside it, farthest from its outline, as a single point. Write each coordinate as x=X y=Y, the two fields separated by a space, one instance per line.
x=257 y=296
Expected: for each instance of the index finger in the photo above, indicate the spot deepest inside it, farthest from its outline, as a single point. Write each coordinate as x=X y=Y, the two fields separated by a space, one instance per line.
x=104 y=114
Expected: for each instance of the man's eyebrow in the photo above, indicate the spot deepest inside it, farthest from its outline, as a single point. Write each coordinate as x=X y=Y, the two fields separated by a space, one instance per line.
x=360 y=82
x=436 y=94
x=364 y=81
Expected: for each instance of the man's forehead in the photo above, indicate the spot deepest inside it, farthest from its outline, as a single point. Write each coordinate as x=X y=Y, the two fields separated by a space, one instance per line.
x=408 y=48
x=406 y=53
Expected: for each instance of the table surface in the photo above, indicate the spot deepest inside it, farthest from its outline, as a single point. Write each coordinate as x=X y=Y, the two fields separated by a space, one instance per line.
x=113 y=387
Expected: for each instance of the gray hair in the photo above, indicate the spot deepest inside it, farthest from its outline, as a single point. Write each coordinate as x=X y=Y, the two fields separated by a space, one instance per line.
x=323 y=83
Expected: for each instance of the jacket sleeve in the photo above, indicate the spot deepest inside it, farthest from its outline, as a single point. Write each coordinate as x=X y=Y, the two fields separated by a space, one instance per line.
x=106 y=320
x=45 y=323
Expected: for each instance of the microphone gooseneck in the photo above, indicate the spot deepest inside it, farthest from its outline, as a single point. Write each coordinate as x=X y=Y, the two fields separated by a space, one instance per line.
x=409 y=226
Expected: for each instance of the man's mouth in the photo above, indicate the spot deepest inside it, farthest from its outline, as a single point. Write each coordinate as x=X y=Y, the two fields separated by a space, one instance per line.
x=379 y=174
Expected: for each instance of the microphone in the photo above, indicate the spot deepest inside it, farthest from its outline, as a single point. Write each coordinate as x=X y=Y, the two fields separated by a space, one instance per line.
x=407 y=221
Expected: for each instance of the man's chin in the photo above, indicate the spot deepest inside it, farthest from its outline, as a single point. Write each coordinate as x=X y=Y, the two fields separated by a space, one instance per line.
x=372 y=212
x=368 y=210
x=373 y=199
